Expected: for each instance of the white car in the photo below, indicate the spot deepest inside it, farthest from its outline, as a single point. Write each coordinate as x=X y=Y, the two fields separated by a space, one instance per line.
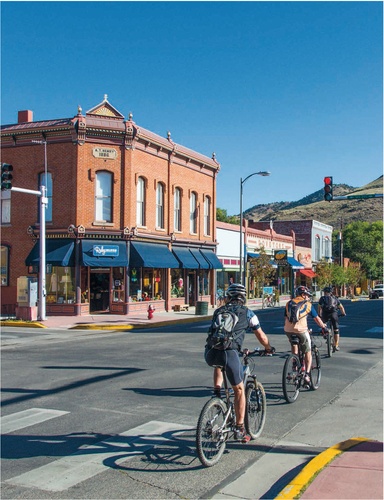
x=376 y=292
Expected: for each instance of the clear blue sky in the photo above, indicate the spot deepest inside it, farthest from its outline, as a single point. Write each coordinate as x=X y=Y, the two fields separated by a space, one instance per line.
x=290 y=87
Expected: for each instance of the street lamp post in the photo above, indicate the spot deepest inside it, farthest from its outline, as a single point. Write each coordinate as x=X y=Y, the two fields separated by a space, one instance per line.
x=43 y=206
x=242 y=245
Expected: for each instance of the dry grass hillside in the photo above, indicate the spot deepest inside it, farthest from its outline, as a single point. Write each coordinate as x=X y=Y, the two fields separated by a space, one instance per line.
x=314 y=207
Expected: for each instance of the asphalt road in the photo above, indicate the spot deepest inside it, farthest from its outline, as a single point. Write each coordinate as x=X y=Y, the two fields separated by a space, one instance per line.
x=112 y=415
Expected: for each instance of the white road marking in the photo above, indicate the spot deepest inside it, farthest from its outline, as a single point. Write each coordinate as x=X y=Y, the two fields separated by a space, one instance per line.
x=26 y=418
x=89 y=461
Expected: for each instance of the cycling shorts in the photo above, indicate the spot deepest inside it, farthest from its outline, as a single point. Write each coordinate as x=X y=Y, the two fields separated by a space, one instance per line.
x=304 y=340
x=229 y=359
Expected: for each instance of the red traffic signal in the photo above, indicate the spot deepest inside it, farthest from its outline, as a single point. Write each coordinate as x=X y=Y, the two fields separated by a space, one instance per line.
x=328 y=189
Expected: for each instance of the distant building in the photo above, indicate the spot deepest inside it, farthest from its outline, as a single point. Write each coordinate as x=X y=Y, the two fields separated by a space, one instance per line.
x=131 y=214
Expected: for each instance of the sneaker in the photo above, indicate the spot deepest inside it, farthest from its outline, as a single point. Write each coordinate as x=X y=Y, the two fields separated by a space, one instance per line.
x=217 y=392
x=307 y=380
x=241 y=435
x=336 y=348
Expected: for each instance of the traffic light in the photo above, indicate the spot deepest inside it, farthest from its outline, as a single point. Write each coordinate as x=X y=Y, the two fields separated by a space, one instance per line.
x=6 y=176
x=328 y=189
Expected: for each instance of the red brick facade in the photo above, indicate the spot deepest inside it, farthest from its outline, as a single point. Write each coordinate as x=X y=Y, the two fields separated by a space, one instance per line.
x=74 y=161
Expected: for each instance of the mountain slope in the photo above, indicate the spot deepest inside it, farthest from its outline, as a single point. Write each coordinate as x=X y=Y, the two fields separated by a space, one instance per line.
x=313 y=207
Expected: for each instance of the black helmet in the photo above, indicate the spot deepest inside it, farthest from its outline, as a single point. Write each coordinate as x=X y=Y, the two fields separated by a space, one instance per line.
x=300 y=290
x=327 y=289
x=236 y=291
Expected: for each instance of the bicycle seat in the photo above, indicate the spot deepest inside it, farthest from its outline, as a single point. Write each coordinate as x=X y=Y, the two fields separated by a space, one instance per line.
x=294 y=339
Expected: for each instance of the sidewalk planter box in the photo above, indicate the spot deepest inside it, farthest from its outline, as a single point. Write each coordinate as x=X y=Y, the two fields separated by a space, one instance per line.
x=201 y=308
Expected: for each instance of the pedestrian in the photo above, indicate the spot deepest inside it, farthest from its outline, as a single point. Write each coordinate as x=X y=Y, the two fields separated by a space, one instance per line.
x=328 y=309
x=230 y=359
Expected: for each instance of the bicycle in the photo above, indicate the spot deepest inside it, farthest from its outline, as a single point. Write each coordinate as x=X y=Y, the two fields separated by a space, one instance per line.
x=294 y=371
x=217 y=420
x=269 y=300
x=330 y=338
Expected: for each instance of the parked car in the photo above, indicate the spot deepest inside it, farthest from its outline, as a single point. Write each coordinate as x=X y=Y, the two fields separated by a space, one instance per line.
x=376 y=292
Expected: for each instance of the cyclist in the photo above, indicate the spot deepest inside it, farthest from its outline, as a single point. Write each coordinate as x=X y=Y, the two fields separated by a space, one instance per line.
x=299 y=326
x=229 y=358
x=328 y=308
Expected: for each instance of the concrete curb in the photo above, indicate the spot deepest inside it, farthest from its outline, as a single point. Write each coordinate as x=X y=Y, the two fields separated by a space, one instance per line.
x=301 y=482
x=26 y=324
x=138 y=326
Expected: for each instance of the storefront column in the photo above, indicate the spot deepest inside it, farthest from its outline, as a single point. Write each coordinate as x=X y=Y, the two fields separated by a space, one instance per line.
x=77 y=278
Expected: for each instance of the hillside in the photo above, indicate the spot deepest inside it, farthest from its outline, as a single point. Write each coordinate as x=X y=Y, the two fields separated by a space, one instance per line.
x=314 y=207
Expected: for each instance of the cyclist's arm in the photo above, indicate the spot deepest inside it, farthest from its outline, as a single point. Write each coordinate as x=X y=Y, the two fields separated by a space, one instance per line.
x=341 y=307
x=317 y=318
x=261 y=336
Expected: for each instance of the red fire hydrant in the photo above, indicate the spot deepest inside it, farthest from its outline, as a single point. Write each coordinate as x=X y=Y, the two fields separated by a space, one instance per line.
x=151 y=310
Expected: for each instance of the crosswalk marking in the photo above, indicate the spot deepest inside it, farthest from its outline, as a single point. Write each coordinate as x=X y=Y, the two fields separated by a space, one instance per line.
x=89 y=461
x=22 y=419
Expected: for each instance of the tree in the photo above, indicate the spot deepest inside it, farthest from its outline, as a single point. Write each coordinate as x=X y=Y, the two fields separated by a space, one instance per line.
x=339 y=277
x=261 y=270
x=221 y=216
x=324 y=271
x=363 y=243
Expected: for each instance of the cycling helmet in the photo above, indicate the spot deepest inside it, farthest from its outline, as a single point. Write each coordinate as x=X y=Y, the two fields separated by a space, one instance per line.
x=303 y=289
x=236 y=291
x=327 y=289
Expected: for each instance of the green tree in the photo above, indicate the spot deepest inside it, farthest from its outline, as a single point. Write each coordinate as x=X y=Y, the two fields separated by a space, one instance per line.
x=363 y=243
x=261 y=270
x=222 y=216
x=324 y=271
x=339 y=277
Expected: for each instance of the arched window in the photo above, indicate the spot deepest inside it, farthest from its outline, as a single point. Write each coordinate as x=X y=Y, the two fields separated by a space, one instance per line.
x=193 y=213
x=140 y=202
x=103 y=198
x=317 y=248
x=47 y=182
x=207 y=216
x=160 y=205
x=177 y=210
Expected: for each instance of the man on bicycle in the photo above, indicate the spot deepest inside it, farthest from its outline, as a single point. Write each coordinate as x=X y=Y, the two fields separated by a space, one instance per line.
x=229 y=358
x=328 y=309
x=297 y=326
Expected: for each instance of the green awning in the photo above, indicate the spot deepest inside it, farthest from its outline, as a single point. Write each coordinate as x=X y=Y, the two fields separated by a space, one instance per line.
x=151 y=255
x=58 y=252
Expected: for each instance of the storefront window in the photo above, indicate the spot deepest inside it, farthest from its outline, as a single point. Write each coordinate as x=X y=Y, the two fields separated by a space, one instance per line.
x=118 y=284
x=204 y=285
x=146 y=286
x=60 y=285
x=177 y=281
x=4 y=265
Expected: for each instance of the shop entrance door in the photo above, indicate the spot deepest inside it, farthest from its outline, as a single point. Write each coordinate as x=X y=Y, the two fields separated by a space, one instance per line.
x=192 y=288
x=99 y=291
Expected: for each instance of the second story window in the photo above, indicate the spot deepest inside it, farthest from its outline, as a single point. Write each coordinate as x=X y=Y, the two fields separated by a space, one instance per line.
x=103 y=198
x=47 y=182
x=207 y=216
x=317 y=248
x=177 y=210
x=140 y=202
x=5 y=207
x=193 y=214
x=4 y=265
x=160 y=206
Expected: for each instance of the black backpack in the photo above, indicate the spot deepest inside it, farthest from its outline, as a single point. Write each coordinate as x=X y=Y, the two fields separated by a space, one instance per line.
x=221 y=333
x=329 y=303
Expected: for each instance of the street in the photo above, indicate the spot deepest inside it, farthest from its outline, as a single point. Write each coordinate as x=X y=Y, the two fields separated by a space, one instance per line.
x=112 y=414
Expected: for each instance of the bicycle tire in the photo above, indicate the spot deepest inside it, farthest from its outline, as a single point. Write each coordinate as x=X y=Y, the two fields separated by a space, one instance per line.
x=330 y=340
x=291 y=378
x=210 y=435
x=256 y=408
x=315 y=370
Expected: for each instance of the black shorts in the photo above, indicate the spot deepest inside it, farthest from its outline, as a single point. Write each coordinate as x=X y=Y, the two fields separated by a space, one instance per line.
x=230 y=359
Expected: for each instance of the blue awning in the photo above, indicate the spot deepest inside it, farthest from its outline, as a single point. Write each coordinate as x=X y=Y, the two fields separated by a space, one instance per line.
x=253 y=255
x=58 y=252
x=294 y=263
x=152 y=255
x=104 y=253
x=203 y=263
x=212 y=259
x=186 y=259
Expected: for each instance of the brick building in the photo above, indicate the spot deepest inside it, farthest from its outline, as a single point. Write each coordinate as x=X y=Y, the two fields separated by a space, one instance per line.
x=130 y=216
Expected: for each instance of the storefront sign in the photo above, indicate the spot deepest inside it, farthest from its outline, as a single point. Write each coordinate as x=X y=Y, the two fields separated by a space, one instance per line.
x=280 y=257
x=105 y=153
x=105 y=251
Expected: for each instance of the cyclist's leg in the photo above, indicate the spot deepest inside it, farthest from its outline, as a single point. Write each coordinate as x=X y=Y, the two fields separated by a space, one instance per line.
x=335 y=324
x=216 y=359
x=305 y=345
x=294 y=347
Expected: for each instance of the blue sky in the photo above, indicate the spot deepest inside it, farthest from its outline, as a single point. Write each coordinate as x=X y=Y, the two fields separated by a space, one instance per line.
x=290 y=87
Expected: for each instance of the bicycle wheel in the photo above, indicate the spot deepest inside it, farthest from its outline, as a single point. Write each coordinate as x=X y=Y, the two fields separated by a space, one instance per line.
x=315 y=370
x=256 y=408
x=291 y=378
x=210 y=432
x=330 y=340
